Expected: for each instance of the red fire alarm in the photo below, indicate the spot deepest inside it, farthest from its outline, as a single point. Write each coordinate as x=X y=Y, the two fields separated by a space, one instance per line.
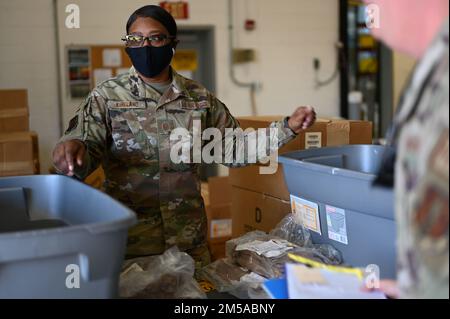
x=250 y=25
x=178 y=9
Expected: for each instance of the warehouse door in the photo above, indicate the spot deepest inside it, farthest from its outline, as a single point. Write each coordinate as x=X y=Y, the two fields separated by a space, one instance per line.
x=197 y=43
x=194 y=59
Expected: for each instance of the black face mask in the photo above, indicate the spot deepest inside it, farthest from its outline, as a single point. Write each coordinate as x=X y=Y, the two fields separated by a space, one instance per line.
x=150 y=61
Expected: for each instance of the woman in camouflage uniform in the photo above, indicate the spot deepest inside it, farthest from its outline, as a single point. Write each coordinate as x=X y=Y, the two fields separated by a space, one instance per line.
x=125 y=125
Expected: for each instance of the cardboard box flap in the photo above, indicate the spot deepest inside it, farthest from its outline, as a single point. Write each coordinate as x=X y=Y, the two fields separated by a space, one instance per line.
x=257 y=121
x=264 y=121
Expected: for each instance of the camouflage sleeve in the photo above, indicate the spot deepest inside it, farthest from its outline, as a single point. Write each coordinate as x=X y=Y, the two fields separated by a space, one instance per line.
x=90 y=126
x=241 y=148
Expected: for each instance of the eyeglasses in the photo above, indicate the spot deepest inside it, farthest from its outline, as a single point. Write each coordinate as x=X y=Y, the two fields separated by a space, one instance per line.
x=137 y=41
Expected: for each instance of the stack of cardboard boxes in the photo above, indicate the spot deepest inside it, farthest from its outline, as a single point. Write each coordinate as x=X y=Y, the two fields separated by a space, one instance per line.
x=19 y=151
x=259 y=201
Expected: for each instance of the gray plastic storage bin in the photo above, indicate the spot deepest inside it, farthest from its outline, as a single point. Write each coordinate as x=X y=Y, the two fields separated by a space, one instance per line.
x=341 y=178
x=54 y=227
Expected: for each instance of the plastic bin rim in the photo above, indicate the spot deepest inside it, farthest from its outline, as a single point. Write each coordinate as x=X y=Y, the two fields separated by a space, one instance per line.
x=94 y=228
x=328 y=169
x=286 y=159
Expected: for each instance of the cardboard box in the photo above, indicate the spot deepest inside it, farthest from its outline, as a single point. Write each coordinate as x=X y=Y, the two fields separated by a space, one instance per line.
x=218 y=212
x=315 y=136
x=250 y=178
x=256 y=211
x=219 y=229
x=219 y=190
x=343 y=132
x=217 y=248
x=217 y=197
x=204 y=191
x=14 y=115
x=324 y=132
x=19 y=154
x=219 y=221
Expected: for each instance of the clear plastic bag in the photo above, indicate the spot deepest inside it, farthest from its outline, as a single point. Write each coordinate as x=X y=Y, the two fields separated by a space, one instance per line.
x=260 y=253
x=248 y=237
x=249 y=287
x=267 y=254
x=228 y=277
x=293 y=232
x=268 y=267
x=167 y=276
x=290 y=230
x=223 y=274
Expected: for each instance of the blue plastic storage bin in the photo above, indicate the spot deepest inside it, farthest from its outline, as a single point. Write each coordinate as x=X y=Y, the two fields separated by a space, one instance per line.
x=54 y=228
x=355 y=217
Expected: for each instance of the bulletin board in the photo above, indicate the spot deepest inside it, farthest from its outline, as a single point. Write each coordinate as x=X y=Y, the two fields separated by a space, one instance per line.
x=89 y=65
x=109 y=58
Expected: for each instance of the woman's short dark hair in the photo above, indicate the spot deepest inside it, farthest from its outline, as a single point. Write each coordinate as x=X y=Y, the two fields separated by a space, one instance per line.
x=157 y=13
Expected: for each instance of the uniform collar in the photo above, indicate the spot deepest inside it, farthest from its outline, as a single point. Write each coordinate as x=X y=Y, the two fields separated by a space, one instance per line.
x=179 y=84
x=142 y=91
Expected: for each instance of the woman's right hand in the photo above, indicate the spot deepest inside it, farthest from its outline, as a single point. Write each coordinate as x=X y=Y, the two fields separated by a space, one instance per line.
x=68 y=154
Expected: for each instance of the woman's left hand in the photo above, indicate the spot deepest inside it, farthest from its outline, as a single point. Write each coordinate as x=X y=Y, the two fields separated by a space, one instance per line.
x=388 y=287
x=302 y=118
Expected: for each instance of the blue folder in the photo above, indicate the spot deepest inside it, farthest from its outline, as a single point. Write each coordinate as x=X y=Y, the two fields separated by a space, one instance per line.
x=276 y=288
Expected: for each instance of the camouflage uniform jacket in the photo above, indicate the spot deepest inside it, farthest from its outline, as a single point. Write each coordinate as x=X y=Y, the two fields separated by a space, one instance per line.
x=126 y=126
x=422 y=177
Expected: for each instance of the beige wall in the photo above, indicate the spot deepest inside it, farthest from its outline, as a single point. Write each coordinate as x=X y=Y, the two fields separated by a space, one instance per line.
x=27 y=60
x=289 y=34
